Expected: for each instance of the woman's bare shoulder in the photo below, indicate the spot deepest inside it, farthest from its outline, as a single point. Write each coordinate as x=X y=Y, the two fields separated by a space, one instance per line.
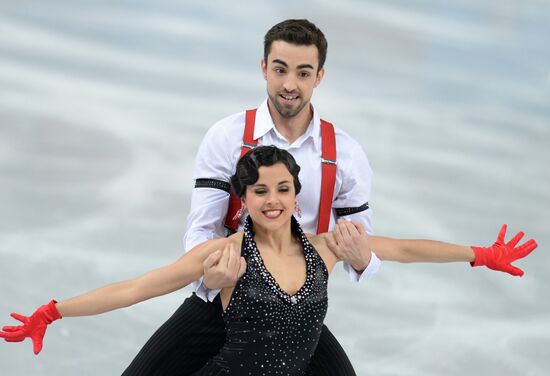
x=320 y=243
x=212 y=245
x=236 y=238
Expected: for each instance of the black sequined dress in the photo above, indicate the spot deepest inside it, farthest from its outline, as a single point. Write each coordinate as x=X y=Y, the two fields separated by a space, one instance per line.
x=270 y=332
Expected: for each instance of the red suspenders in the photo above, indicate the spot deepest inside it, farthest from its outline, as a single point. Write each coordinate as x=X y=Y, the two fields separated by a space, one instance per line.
x=248 y=144
x=328 y=173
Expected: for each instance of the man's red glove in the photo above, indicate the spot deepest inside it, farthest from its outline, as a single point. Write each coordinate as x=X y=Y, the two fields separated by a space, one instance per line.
x=33 y=326
x=500 y=255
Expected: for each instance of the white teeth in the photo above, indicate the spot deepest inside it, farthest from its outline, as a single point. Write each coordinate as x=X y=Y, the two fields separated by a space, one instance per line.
x=272 y=213
x=289 y=97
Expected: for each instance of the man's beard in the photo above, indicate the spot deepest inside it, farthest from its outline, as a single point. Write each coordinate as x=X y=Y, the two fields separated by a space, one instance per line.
x=287 y=112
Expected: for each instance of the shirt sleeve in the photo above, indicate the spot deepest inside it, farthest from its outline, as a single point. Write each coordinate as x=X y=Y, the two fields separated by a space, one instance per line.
x=209 y=202
x=352 y=201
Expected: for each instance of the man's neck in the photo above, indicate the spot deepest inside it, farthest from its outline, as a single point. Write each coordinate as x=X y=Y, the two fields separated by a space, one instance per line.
x=291 y=128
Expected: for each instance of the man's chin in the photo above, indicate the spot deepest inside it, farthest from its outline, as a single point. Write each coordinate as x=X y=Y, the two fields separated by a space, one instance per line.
x=289 y=112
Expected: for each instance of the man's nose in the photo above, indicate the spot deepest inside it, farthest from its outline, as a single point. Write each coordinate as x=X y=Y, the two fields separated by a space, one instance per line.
x=290 y=83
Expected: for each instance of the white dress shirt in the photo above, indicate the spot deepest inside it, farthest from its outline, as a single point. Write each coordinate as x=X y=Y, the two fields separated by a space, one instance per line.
x=217 y=159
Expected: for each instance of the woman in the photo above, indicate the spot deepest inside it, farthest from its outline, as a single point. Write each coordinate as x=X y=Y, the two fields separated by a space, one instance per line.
x=274 y=313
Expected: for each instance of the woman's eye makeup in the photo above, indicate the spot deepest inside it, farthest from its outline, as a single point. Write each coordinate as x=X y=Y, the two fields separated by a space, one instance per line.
x=282 y=189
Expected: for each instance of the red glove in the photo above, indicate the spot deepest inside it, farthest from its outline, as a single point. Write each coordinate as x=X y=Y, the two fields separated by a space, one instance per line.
x=33 y=326
x=500 y=255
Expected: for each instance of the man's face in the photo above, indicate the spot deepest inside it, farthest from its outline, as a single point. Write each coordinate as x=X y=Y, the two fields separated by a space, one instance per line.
x=291 y=75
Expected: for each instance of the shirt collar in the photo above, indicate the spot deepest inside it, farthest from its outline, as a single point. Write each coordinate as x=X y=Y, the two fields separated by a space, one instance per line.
x=264 y=124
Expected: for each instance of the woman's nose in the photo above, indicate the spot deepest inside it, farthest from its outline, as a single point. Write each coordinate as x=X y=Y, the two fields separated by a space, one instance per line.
x=271 y=198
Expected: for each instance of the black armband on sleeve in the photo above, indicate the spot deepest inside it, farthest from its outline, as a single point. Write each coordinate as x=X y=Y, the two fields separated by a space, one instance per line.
x=213 y=183
x=341 y=212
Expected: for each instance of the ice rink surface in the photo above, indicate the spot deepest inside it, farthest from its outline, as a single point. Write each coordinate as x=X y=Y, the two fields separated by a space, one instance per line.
x=102 y=109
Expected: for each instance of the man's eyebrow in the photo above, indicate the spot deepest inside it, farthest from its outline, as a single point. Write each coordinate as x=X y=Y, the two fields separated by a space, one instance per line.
x=278 y=61
x=302 y=66
x=284 y=64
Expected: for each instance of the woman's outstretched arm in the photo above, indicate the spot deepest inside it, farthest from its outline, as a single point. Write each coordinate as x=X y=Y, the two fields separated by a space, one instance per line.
x=155 y=283
x=498 y=256
x=122 y=294
x=417 y=250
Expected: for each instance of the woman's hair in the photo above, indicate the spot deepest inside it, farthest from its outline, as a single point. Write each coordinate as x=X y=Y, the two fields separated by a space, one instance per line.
x=249 y=164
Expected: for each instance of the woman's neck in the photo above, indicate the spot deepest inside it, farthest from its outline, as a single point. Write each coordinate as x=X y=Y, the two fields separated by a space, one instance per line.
x=277 y=240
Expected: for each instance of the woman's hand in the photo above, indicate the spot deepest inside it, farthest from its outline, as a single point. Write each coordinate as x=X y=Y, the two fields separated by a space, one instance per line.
x=500 y=255
x=223 y=268
x=33 y=326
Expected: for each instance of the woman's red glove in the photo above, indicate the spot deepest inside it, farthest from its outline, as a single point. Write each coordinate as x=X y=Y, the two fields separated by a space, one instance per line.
x=500 y=255
x=33 y=326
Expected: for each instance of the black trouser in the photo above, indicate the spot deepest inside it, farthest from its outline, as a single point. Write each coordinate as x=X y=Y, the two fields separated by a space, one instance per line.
x=196 y=332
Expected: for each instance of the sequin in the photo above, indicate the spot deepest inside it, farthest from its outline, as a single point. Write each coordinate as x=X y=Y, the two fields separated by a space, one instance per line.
x=270 y=332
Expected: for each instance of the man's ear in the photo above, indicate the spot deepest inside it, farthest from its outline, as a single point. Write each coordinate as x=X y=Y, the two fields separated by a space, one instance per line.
x=263 y=65
x=319 y=77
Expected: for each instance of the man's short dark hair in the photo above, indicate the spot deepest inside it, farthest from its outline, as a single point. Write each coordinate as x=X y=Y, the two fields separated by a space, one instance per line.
x=298 y=32
x=247 y=167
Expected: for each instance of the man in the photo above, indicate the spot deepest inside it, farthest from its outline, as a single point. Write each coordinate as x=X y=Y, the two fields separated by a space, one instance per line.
x=294 y=55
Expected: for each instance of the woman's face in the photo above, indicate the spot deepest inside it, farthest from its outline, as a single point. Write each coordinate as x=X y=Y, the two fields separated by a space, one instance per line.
x=272 y=199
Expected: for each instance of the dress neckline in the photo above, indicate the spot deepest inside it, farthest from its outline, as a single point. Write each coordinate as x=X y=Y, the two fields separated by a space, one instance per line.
x=266 y=274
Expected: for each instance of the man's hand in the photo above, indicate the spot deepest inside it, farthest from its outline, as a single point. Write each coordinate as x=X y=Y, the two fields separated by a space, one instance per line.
x=223 y=268
x=350 y=243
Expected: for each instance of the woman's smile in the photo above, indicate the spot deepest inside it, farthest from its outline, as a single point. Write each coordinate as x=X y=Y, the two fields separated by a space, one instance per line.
x=272 y=213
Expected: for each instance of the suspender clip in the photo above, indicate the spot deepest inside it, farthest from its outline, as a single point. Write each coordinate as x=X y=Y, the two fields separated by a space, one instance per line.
x=250 y=146
x=328 y=161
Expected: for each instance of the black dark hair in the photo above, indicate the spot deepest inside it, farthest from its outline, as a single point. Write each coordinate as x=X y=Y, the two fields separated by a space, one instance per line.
x=299 y=32
x=249 y=164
